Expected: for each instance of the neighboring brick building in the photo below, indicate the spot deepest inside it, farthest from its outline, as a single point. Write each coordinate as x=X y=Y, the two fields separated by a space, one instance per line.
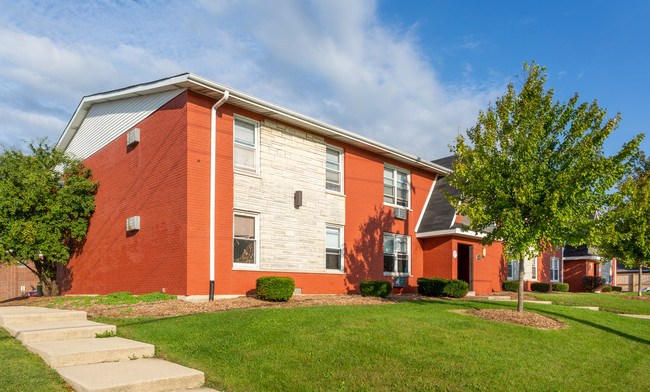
x=15 y=281
x=288 y=195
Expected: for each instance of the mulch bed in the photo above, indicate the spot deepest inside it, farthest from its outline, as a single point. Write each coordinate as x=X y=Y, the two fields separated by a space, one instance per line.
x=179 y=307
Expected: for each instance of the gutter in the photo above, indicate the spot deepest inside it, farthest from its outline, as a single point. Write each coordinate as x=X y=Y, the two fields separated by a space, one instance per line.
x=213 y=155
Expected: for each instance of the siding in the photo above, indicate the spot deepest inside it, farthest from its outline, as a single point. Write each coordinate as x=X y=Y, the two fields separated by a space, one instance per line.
x=106 y=121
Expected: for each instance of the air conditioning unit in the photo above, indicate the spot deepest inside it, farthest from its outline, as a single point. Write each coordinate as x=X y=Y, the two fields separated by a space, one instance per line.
x=133 y=137
x=399 y=213
x=399 y=281
x=133 y=223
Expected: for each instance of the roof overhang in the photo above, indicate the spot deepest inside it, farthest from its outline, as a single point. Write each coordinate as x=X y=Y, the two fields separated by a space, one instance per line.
x=569 y=258
x=248 y=102
x=451 y=232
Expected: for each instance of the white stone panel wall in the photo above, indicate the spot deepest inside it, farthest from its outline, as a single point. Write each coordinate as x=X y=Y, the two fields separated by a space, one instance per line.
x=291 y=239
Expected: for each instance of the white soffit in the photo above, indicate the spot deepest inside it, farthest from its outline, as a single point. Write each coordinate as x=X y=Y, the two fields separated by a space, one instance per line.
x=106 y=121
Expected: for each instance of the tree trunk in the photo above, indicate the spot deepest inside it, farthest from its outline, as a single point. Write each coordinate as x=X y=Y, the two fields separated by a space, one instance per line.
x=50 y=287
x=520 y=293
x=640 y=279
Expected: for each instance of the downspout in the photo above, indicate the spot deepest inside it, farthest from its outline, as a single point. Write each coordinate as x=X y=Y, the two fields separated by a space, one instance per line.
x=213 y=157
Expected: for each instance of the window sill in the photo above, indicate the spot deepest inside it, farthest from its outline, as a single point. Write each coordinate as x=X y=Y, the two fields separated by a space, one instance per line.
x=247 y=173
x=398 y=274
x=253 y=267
x=334 y=193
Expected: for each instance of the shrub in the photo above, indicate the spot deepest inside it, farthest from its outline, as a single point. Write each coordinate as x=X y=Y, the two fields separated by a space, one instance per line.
x=617 y=288
x=455 y=288
x=274 y=288
x=561 y=287
x=591 y=283
x=606 y=289
x=376 y=288
x=540 y=287
x=510 y=285
x=431 y=287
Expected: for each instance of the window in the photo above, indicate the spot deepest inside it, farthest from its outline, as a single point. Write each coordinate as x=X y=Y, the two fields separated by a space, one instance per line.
x=333 y=169
x=534 y=270
x=513 y=270
x=555 y=269
x=245 y=240
x=333 y=249
x=396 y=186
x=396 y=253
x=246 y=144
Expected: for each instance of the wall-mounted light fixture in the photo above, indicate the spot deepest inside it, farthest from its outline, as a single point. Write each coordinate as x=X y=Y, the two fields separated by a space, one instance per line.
x=484 y=251
x=297 y=199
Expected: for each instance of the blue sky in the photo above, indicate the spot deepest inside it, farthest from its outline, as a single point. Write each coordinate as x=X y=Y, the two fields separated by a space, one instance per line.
x=412 y=74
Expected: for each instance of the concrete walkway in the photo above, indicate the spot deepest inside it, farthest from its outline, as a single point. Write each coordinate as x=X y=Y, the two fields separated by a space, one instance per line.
x=67 y=341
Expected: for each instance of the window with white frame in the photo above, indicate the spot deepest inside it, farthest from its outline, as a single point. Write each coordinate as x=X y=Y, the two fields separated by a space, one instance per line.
x=555 y=269
x=245 y=239
x=333 y=248
x=534 y=270
x=246 y=144
x=396 y=186
x=333 y=171
x=513 y=270
x=397 y=253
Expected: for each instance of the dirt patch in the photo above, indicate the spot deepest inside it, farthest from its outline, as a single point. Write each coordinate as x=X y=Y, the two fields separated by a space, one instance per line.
x=643 y=298
x=528 y=319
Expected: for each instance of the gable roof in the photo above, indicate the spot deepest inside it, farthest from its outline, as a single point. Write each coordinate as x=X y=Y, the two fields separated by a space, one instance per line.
x=214 y=90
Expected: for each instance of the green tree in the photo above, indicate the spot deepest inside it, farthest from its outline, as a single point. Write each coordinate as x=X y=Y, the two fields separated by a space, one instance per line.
x=46 y=201
x=533 y=170
x=625 y=224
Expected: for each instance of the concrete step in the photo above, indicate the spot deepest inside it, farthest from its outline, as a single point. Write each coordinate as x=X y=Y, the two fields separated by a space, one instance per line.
x=14 y=315
x=61 y=330
x=152 y=375
x=86 y=351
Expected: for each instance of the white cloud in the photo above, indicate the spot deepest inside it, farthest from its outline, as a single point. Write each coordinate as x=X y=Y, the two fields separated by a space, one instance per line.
x=18 y=126
x=333 y=60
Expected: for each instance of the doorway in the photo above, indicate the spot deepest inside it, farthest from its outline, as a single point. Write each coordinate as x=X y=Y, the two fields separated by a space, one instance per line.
x=466 y=264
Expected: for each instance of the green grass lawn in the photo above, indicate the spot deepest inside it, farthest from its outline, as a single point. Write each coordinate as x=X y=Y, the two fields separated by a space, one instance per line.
x=413 y=346
x=121 y=298
x=611 y=302
x=22 y=371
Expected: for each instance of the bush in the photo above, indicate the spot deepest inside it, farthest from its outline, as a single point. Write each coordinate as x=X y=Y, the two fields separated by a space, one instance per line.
x=591 y=283
x=274 y=288
x=455 y=288
x=510 y=285
x=561 y=287
x=617 y=288
x=540 y=287
x=376 y=288
x=606 y=289
x=431 y=287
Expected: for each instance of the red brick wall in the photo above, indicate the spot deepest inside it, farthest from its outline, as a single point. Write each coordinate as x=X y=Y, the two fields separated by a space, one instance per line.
x=575 y=270
x=12 y=277
x=148 y=180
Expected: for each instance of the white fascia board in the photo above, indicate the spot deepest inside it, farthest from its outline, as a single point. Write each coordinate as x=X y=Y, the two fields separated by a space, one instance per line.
x=189 y=80
x=426 y=203
x=582 y=258
x=456 y=231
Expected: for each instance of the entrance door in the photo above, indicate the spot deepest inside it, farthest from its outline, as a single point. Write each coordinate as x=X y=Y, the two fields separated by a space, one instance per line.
x=466 y=264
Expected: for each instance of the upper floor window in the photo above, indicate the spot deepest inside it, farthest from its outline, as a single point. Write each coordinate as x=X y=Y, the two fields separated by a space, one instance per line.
x=246 y=144
x=533 y=275
x=334 y=165
x=396 y=186
x=397 y=253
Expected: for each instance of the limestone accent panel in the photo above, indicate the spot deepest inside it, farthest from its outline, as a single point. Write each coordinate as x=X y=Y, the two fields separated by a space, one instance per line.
x=291 y=239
